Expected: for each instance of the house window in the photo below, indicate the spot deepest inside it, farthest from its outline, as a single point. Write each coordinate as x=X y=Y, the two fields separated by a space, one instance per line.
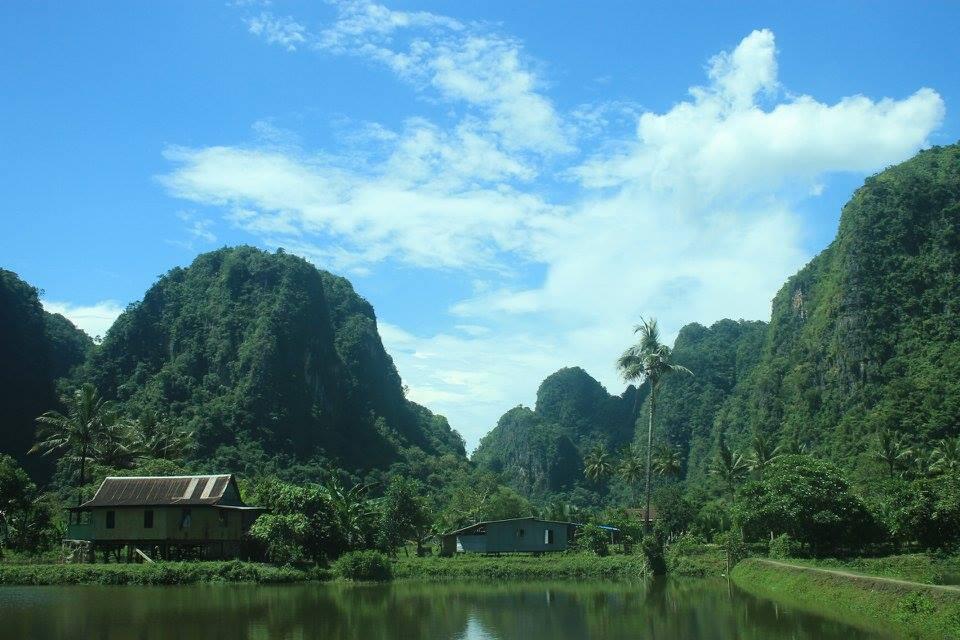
x=185 y=519
x=520 y=533
x=223 y=517
x=548 y=536
x=148 y=519
x=111 y=519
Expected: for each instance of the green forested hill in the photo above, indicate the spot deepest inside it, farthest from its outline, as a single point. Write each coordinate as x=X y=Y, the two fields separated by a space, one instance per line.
x=36 y=348
x=867 y=335
x=245 y=346
x=539 y=452
x=722 y=356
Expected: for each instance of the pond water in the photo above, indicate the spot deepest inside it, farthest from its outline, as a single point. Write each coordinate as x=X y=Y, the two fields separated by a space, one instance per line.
x=661 y=609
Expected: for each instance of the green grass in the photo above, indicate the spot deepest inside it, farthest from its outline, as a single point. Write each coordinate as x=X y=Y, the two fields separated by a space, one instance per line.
x=905 y=611
x=150 y=574
x=918 y=567
x=547 y=566
x=696 y=560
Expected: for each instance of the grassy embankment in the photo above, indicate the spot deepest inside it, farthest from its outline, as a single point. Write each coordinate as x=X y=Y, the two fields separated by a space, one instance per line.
x=547 y=566
x=918 y=567
x=160 y=573
x=904 y=610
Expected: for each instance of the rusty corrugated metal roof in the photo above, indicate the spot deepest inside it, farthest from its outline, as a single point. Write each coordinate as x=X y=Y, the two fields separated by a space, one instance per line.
x=137 y=491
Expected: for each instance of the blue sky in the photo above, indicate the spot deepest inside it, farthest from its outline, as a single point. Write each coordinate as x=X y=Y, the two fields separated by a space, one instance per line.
x=510 y=184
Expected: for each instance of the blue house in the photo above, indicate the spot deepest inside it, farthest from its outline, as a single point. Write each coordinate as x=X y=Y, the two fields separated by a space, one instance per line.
x=517 y=535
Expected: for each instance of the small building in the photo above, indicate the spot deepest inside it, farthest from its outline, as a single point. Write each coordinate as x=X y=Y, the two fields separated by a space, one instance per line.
x=175 y=517
x=518 y=535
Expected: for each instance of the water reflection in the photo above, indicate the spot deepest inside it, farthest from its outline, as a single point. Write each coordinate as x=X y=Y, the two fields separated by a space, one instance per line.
x=662 y=609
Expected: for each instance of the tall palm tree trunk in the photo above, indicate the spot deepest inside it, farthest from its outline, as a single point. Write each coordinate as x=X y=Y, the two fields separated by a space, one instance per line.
x=646 y=518
x=83 y=471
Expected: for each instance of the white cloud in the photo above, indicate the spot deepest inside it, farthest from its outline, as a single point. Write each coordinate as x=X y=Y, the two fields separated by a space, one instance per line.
x=693 y=216
x=283 y=31
x=437 y=200
x=93 y=319
x=723 y=143
x=465 y=64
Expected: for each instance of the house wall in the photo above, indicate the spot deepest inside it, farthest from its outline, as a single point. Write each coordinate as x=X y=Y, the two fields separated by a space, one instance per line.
x=472 y=544
x=204 y=524
x=504 y=537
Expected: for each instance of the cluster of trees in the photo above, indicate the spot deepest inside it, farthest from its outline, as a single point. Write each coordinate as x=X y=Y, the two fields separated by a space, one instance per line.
x=27 y=516
x=92 y=431
x=317 y=522
x=91 y=437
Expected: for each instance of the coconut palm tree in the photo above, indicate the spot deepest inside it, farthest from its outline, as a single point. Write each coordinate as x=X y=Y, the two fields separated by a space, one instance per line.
x=631 y=467
x=668 y=462
x=762 y=453
x=597 y=464
x=115 y=446
x=158 y=438
x=792 y=445
x=946 y=456
x=728 y=466
x=77 y=432
x=648 y=360
x=892 y=450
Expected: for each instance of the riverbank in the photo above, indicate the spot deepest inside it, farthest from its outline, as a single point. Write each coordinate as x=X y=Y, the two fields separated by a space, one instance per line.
x=886 y=605
x=544 y=567
x=916 y=567
x=160 y=573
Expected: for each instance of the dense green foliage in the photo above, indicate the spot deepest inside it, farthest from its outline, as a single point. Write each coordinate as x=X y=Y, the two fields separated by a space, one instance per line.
x=26 y=516
x=248 y=348
x=149 y=574
x=36 y=348
x=807 y=499
x=311 y=522
x=865 y=338
x=404 y=516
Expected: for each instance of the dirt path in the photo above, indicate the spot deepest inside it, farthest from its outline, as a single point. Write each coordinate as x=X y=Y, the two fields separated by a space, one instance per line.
x=862 y=576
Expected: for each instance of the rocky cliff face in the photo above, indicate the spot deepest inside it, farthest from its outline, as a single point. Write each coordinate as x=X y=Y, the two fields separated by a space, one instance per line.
x=867 y=336
x=539 y=452
x=264 y=347
x=36 y=348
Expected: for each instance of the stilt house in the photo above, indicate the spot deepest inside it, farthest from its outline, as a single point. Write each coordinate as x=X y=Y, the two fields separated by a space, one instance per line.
x=164 y=517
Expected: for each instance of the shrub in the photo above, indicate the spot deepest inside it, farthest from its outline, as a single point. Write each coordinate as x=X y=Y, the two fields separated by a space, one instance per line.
x=688 y=556
x=593 y=538
x=653 y=550
x=363 y=565
x=783 y=546
x=734 y=546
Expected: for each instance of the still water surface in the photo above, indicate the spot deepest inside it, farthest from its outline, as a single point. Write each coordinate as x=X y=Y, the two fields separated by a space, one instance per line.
x=661 y=609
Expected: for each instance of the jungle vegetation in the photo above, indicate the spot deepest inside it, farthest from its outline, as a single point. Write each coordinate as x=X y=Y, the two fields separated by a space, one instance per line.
x=831 y=429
